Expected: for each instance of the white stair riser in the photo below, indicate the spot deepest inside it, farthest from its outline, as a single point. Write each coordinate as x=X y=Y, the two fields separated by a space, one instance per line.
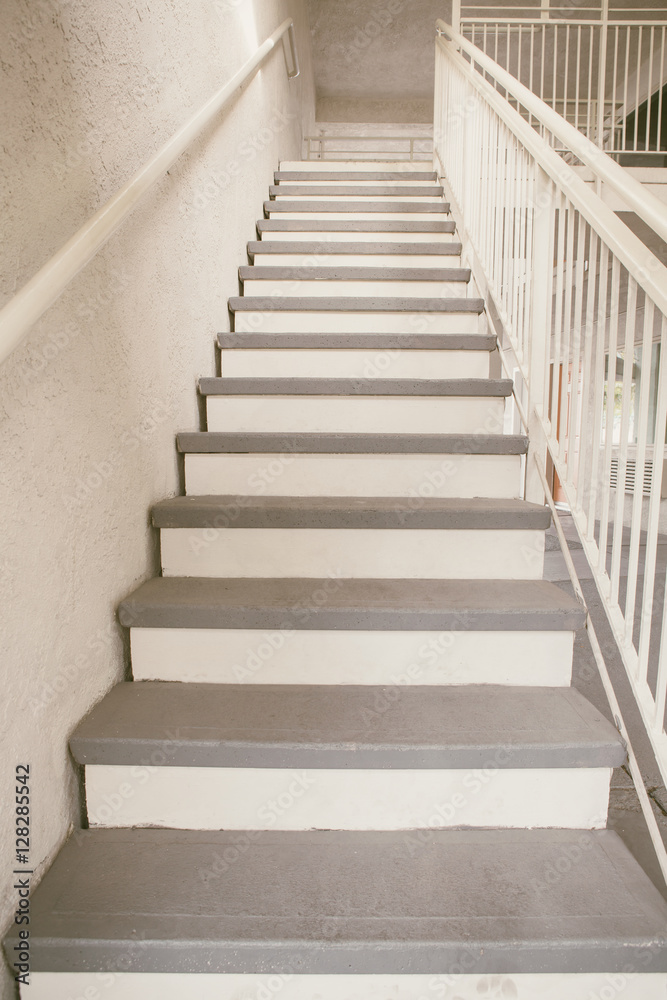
x=360 y=216
x=338 y=363
x=352 y=236
x=463 y=476
x=288 y=986
x=342 y=363
x=365 y=553
x=434 y=199
x=405 y=289
x=302 y=321
x=152 y=793
x=321 y=259
x=339 y=656
x=370 y=414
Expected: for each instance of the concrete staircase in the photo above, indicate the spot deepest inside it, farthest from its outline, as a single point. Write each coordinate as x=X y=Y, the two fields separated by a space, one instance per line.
x=350 y=764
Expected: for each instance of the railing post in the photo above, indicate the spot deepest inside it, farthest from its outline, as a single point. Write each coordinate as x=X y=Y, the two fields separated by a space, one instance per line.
x=540 y=291
x=602 y=77
x=456 y=15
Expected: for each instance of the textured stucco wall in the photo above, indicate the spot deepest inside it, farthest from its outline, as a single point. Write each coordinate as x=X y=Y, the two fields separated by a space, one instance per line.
x=89 y=405
x=374 y=61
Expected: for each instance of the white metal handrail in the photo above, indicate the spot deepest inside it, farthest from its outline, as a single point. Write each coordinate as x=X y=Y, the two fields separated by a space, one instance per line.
x=42 y=290
x=580 y=307
x=635 y=195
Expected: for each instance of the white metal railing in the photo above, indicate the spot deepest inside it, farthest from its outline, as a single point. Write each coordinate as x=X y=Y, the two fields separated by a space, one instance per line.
x=580 y=306
x=604 y=74
x=32 y=301
x=375 y=148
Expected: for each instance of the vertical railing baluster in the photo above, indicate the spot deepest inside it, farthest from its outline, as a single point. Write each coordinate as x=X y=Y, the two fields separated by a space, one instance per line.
x=572 y=218
x=587 y=445
x=540 y=297
x=622 y=461
x=640 y=465
x=589 y=91
x=575 y=352
x=626 y=85
x=558 y=322
x=613 y=129
x=609 y=411
x=658 y=143
x=598 y=392
x=653 y=527
x=637 y=90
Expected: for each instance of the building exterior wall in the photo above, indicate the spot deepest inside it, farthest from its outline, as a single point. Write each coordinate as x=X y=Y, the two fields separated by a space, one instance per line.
x=90 y=403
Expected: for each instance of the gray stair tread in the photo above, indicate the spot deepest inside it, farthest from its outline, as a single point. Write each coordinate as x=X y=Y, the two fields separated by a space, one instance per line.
x=351 y=604
x=306 y=386
x=355 y=175
x=180 y=901
x=355 y=226
x=417 y=207
x=295 y=273
x=349 y=512
x=353 y=303
x=361 y=341
x=223 y=442
x=345 y=191
x=306 y=247
x=339 y=726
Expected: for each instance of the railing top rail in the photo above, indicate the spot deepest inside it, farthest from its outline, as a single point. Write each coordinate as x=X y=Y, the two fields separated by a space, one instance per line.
x=32 y=301
x=555 y=12
x=501 y=19
x=635 y=196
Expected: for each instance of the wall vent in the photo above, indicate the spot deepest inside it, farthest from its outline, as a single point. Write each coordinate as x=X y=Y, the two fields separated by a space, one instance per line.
x=630 y=471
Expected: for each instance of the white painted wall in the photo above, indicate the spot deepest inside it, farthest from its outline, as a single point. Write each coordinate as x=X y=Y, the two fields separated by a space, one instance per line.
x=374 y=59
x=89 y=405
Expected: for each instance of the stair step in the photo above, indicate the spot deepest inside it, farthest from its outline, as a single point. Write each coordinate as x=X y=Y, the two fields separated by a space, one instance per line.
x=167 y=901
x=370 y=537
x=290 y=190
x=355 y=387
x=423 y=254
x=398 y=605
x=281 y=273
x=364 y=757
x=359 y=208
x=322 y=314
x=371 y=405
x=490 y=636
x=342 y=230
x=354 y=281
x=206 y=442
x=299 y=726
x=360 y=341
x=348 y=512
x=485 y=464
x=316 y=167
x=415 y=176
x=345 y=355
x=338 y=304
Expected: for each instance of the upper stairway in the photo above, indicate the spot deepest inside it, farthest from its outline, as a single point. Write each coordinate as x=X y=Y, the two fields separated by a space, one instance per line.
x=350 y=763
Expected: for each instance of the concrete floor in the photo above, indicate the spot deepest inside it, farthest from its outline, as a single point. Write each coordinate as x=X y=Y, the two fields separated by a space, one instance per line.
x=625 y=816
